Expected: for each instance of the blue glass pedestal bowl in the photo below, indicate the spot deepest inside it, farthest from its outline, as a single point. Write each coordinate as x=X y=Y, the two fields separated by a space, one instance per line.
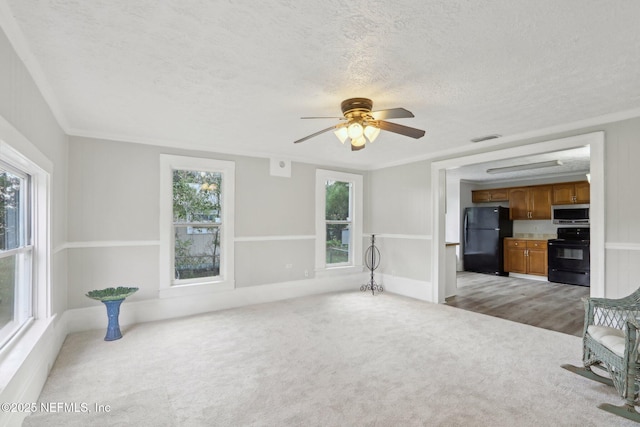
x=113 y=312
x=112 y=298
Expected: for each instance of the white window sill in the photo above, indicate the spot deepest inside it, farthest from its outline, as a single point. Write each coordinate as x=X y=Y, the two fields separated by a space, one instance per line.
x=196 y=289
x=18 y=349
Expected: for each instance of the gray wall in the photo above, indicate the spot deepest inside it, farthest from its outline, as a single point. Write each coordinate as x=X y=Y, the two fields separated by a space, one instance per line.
x=114 y=225
x=622 y=232
x=22 y=105
x=400 y=212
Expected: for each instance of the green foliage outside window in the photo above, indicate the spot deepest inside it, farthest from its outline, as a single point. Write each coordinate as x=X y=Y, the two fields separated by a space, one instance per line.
x=337 y=209
x=196 y=201
x=195 y=193
x=9 y=210
x=9 y=239
x=337 y=201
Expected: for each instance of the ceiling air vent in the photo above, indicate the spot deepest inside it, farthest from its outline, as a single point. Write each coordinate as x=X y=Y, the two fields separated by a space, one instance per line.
x=486 y=138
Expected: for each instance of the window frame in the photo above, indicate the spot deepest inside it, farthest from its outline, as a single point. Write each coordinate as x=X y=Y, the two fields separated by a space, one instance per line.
x=225 y=280
x=36 y=250
x=356 y=210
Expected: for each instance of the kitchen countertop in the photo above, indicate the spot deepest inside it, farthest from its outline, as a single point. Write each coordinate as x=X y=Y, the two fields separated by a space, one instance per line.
x=531 y=236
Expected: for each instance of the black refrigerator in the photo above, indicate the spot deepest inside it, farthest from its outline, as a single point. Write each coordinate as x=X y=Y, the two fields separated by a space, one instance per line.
x=483 y=245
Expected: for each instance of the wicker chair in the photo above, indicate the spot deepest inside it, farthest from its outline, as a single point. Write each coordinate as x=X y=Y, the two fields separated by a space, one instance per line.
x=610 y=342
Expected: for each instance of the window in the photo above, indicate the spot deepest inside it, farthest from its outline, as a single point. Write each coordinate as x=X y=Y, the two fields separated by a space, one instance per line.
x=338 y=219
x=16 y=250
x=196 y=223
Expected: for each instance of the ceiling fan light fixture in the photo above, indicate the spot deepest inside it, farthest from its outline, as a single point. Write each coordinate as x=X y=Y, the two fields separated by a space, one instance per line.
x=358 y=142
x=355 y=130
x=361 y=125
x=371 y=132
x=342 y=134
x=355 y=147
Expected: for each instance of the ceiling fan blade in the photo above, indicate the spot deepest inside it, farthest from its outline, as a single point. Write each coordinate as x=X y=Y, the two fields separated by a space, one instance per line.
x=392 y=113
x=323 y=117
x=314 y=134
x=402 y=130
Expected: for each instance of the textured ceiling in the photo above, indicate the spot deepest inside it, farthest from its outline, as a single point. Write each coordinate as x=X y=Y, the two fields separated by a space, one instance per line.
x=235 y=76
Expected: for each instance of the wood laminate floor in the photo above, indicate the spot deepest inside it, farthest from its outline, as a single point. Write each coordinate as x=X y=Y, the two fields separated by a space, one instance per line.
x=547 y=305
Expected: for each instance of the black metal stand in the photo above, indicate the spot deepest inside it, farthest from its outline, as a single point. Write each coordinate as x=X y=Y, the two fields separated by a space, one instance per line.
x=372 y=260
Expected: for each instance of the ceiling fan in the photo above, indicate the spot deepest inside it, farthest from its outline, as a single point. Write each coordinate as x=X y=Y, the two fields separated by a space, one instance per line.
x=360 y=124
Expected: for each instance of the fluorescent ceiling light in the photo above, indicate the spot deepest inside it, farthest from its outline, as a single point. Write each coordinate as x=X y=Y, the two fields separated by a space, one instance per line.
x=525 y=167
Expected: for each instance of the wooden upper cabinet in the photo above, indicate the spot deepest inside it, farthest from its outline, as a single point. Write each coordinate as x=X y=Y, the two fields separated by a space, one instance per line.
x=563 y=193
x=583 y=192
x=530 y=202
x=518 y=203
x=540 y=202
x=534 y=201
x=492 y=195
x=571 y=192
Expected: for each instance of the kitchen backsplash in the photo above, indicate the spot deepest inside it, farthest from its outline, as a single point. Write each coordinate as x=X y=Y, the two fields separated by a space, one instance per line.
x=535 y=228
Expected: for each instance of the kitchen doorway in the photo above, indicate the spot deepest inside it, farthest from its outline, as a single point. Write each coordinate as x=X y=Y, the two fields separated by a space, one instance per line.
x=596 y=143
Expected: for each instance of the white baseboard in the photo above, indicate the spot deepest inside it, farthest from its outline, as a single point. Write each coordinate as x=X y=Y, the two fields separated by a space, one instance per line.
x=418 y=289
x=82 y=319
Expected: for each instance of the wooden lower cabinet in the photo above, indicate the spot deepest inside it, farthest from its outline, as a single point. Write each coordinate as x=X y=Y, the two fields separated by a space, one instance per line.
x=537 y=257
x=525 y=256
x=515 y=260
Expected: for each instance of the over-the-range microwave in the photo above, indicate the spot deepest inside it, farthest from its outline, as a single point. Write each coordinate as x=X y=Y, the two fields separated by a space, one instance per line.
x=570 y=214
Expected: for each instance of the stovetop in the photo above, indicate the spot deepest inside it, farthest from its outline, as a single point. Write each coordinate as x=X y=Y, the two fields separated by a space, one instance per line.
x=573 y=234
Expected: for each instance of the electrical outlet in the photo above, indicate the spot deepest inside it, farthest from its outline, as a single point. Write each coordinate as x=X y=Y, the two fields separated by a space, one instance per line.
x=288 y=266
x=306 y=273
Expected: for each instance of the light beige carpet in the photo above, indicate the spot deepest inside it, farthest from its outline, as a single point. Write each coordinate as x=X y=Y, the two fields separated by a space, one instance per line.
x=345 y=359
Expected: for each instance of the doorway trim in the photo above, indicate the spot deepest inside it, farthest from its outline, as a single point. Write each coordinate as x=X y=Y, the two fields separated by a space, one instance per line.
x=438 y=191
